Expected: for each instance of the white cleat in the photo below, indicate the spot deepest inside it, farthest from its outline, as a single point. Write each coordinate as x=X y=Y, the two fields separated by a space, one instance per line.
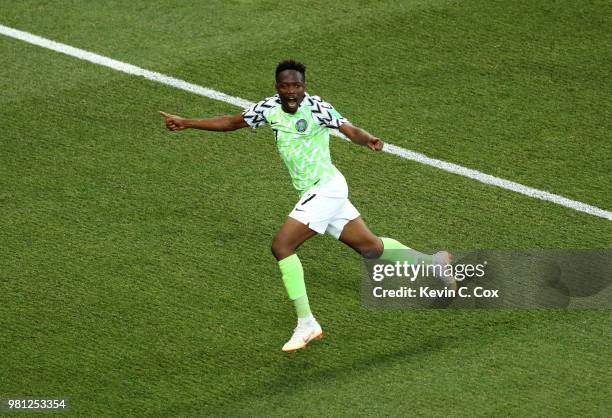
x=302 y=335
x=444 y=258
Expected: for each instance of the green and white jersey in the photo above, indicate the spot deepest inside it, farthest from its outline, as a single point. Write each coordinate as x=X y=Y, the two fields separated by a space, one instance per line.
x=302 y=138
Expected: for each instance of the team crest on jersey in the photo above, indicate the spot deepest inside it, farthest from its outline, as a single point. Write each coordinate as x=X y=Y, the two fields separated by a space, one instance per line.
x=301 y=125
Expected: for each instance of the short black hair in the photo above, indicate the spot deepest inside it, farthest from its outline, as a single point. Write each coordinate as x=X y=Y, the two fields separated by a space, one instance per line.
x=291 y=65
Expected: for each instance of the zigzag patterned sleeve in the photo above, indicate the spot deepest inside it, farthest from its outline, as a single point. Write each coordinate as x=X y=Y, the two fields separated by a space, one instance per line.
x=325 y=114
x=254 y=115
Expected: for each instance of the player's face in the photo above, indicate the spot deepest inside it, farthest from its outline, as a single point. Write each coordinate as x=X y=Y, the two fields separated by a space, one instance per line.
x=290 y=87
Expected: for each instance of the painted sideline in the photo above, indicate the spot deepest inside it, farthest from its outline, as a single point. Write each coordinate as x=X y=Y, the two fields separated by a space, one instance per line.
x=236 y=101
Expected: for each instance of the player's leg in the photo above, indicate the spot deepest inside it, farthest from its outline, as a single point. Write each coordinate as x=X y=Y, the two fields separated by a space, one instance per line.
x=358 y=236
x=291 y=235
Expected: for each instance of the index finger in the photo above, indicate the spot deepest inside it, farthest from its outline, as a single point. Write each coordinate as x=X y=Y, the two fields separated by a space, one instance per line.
x=167 y=115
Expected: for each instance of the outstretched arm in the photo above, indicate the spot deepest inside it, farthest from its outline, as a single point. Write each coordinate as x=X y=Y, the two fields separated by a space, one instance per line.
x=361 y=137
x=221 y=123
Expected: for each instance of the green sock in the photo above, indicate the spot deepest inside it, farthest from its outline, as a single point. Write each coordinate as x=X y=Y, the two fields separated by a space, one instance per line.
x=396 y=251
x=293 y=278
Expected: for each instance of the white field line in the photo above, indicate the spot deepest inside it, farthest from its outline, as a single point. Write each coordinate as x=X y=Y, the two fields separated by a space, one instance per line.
x=236 y=101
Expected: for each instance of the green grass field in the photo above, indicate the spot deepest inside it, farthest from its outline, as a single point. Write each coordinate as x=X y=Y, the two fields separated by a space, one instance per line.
x=135 y=271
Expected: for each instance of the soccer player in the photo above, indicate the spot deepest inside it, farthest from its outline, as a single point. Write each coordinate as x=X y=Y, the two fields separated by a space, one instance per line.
x=301 y=125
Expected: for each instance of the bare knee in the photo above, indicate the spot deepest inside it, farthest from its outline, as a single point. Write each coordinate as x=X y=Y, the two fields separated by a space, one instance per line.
x=281 y=248
x=372 y=248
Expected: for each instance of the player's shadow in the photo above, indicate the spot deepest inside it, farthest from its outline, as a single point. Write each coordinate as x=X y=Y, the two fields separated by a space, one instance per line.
x=293 y=377
x=293 y=373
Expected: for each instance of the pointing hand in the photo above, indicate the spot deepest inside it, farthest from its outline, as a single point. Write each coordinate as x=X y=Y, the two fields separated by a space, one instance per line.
x=173 y=122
